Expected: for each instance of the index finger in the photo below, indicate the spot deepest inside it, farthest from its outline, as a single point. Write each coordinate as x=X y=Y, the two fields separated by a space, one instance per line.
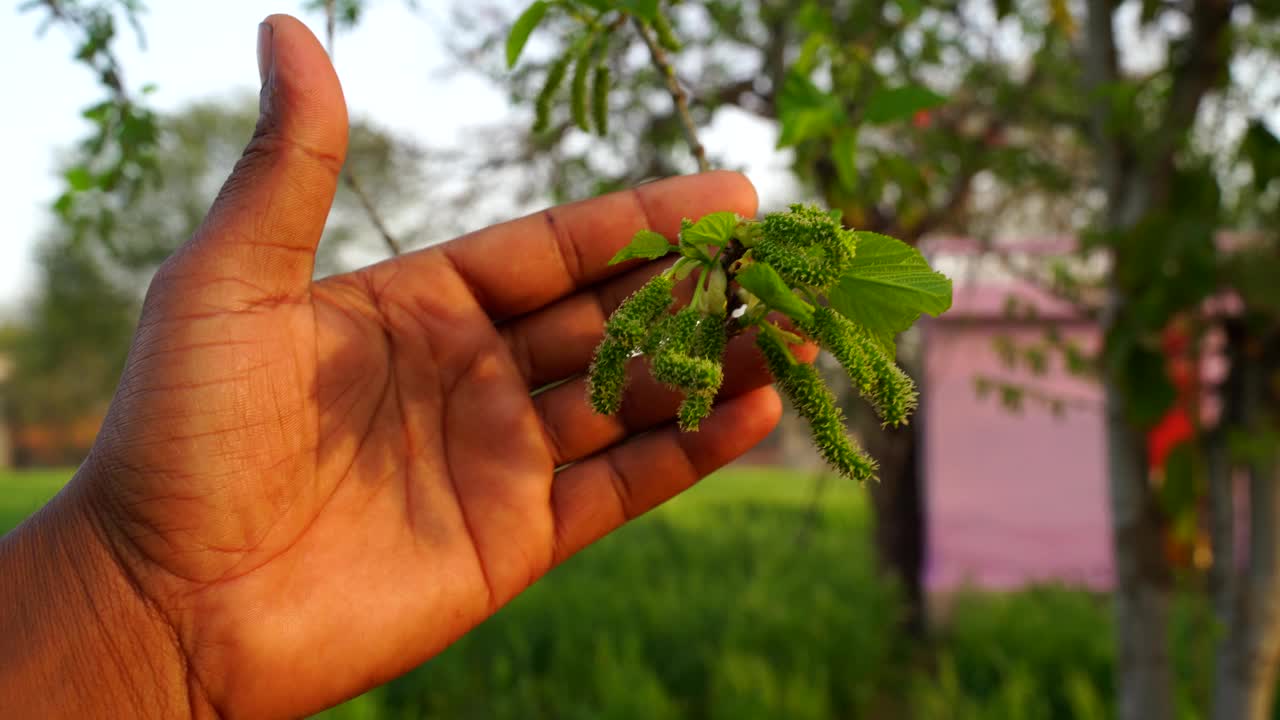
x=522 y=265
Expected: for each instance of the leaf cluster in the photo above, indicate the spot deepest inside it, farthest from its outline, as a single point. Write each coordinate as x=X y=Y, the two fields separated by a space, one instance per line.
x=583 y=58
x=795 y=270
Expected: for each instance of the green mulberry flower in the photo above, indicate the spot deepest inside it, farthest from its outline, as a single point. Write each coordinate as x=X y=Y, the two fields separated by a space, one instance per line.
x=695 y=408
x=708 y=344
x=675 y=363
x=634 y=318
x=607 y=377
x=803 y=386
x=805 y=245
x=878 y=378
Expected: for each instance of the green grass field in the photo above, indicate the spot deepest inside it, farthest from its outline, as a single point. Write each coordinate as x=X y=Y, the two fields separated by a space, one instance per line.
x=734 y=601
x=24 y=492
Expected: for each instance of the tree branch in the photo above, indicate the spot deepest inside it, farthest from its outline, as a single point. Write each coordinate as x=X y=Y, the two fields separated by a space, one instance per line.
x=678 y=95
x=393 y=245
x=330 y=25
x=1203 y=63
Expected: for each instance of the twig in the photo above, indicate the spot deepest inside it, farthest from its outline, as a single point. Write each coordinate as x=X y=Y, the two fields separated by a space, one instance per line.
x=393 y=245
x=678 y=95
x=330 y=25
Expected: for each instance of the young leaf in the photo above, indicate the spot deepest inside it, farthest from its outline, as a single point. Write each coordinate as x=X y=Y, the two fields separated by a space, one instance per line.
x=805 y=111
x=843 y=153
x=714 y=229
x=761 y=280
x=887 y=286
x=600 y=100
x=646 y=10
x=578 y=89
x=523 y=27
x=542 y=107
x=888 y=105
x=646 y=244
x=666 y=34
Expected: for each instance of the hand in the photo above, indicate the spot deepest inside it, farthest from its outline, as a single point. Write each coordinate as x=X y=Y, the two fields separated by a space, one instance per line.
x=305 y=489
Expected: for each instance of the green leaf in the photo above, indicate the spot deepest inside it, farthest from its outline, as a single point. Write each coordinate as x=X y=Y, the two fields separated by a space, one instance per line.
x=843 y=154
x=714 y=229
x=761 y=280
x=911 y=9
x=888 y=105
x=578 y=89
x=523 y=27
x=79 y=178
x=666 y=33
x=600 y=99
x=888 y=286
x=805 y=111
x=643 y=9
x=646 y=244
x=1262 y=149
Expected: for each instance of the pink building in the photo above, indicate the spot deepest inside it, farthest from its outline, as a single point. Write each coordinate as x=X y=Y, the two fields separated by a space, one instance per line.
x=1011 y=498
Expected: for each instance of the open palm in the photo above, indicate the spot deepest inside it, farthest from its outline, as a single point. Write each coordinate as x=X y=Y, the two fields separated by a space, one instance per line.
x=320 y=485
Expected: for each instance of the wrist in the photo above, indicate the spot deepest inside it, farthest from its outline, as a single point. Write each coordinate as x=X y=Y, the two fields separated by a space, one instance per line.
x=77 y=637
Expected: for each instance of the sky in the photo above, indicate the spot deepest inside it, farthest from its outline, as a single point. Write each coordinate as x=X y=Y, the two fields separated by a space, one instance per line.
x=391 y=68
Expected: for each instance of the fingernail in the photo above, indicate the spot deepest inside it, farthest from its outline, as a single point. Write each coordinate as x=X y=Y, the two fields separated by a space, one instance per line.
x=265 y=55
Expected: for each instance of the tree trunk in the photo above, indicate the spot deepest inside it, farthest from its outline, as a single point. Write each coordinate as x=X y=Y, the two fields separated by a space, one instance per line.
x=898 y=501
x=1144 y=675
x=1248 y=607
x=1246 y=675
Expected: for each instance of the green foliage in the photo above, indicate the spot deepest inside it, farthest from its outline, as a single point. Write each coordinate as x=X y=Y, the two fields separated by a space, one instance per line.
x=786 y=262
x=646 y=244
x=895 y=104
x=887 y=286
x=594 y=22
x=119 y=155
x=715 y=229
x=806 y=112
x=578 y=89
x=551 y=86
x=686 y=349
x=696 y=610
x=522 y=28
x=22 y=492
x=666 y=33
x=718 y=618
x=69 y=347
x=600 y=99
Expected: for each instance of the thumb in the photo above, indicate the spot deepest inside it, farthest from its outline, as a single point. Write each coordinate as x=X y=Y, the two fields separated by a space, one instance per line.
x=263 y=228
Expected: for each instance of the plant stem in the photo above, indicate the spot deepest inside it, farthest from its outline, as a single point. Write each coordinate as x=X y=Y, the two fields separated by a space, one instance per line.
x=678 y=95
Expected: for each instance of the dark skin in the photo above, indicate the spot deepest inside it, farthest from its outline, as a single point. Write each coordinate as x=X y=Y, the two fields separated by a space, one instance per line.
x=304 y=489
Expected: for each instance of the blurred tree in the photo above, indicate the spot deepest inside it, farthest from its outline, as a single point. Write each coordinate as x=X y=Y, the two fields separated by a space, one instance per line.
x=1132 y=115
x=905 y=116
x=69 y=347
x=1133 y=139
